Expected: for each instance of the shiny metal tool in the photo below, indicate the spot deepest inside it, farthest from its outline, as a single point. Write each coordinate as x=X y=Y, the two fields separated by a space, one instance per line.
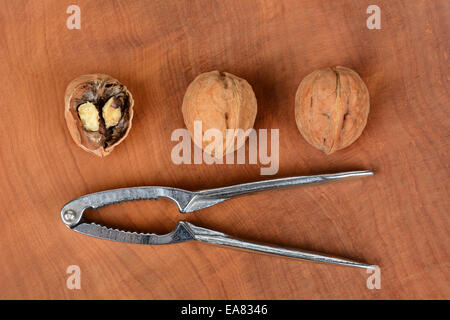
x=189 y=201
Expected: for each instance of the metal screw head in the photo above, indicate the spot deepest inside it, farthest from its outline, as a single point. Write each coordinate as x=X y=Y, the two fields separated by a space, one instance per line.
x=69 y=215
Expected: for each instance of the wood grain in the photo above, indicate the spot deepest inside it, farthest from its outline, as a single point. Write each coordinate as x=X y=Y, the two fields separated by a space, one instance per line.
x=398 y=219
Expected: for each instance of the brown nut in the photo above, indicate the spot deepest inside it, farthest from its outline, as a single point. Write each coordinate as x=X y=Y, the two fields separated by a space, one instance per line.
x=220 y=101
x=331 y=108
x=98 y=111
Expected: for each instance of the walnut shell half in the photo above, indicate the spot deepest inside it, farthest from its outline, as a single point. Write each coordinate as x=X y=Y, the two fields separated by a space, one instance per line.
x=221 y=101
x=331 y=108
x=98 y=112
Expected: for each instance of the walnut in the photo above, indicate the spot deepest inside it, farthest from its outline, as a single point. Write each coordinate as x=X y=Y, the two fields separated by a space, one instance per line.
x=331 y=108
x=220 y=101
x=112 y=112
x=98 y=111
x=89 y=116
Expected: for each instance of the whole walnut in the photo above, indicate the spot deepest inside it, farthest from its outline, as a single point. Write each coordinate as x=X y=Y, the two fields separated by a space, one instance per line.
x=98 y=112
x=220 y=101
x=331 y=108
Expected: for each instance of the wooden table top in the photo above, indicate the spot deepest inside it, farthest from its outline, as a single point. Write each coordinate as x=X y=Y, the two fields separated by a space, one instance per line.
x=398 y=219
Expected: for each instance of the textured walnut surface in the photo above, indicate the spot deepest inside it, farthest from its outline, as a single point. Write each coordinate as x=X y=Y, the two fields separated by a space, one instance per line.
x=220 y=101
x=331 y=108
x=102 y=91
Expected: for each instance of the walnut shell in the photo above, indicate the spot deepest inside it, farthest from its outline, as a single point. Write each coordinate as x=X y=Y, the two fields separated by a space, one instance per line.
x=221 y=101
x=98 y=89
x=331 y=108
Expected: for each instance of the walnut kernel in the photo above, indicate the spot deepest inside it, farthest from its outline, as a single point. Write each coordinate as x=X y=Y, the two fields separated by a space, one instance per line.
x=111 y=112
x=88 y=114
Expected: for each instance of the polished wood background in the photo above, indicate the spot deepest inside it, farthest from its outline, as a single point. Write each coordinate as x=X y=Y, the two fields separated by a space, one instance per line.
x=398 y=219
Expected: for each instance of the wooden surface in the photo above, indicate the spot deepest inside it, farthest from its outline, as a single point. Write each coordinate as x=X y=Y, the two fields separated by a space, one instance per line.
x=398 y=219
